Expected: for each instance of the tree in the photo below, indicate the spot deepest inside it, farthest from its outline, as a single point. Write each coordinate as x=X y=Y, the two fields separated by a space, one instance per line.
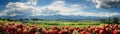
x=35 y=19
x=109 y=21
x=102 y=20
x=115 y=20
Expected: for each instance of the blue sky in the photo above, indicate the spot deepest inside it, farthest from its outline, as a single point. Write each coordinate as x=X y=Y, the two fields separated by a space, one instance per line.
x=97 y=8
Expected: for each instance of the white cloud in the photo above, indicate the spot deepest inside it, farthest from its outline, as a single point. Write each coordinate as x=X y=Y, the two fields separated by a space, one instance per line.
x=30 y=8
x=101 y=14
x=33 y=2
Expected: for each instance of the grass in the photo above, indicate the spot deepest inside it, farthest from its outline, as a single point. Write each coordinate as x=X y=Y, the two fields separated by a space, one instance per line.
x=66 y=23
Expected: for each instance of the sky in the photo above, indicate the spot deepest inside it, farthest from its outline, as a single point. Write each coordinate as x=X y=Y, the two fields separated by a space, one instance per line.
x=26 y=8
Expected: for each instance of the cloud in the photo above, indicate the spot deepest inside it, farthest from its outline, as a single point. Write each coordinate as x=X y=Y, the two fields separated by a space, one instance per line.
x=107 y=4
x=100 y=14
x=57 y=7
x=33 y=2
x=21 y=8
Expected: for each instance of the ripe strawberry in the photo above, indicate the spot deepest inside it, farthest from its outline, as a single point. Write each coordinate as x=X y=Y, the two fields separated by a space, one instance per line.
x=83 y=32
x=59 y=33
x=6 y=31
x=96 y=30
x=115 y=31
x=107 y=29
x=101 y=32
x=36 y=32
x=15 y=33
x=53 y=31
x=88 y=33
x=23 y=27
x=114 y=28
x=103 y=28
x=116 y=25
x=78 y=30
x=90 y=30
x=106 y=25
x=19 y=30
x=67 y=27
x=71 y=30
x=65 y=32
x=54 y=27
x=44 y=32
x=1 y=27
x=24 y=31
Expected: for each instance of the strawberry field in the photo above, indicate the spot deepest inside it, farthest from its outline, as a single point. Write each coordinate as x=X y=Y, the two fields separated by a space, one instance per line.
x=58 y=27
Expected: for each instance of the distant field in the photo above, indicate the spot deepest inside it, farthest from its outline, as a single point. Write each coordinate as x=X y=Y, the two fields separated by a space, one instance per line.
x=67 y=23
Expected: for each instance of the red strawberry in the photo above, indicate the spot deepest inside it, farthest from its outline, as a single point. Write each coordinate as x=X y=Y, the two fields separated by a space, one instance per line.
x=44 y=32
x=115 y=31
x=88 y=33
x=65 y=32
x=96 y=30
x=59 y=33
x=90 y=30
x=1 y=27
x=116 y=25
x=102 y=28
x=6 y=31
x=19 y=30
x=15 y=33
x=83 y=32
x=24 y=31
x=53 y=32
x=71 y=30
x=67 y=27
x=107 y=29
x=107 y=25
x=36 y=32
x=54 y=27
x=101 y=32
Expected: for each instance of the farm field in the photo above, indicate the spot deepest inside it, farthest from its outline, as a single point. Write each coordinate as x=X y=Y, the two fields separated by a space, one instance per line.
x=58 y=27
x=67 y=23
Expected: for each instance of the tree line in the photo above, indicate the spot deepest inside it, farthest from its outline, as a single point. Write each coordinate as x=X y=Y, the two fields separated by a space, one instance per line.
x=113 y=20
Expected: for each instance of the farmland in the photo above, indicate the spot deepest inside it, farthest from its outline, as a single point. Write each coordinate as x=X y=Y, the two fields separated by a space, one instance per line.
x=65 y=23
x=58 y=27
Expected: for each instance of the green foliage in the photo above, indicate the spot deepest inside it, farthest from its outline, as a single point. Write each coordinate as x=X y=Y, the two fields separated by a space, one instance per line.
x=115 y=20
x=6 y=20
x=65 y=23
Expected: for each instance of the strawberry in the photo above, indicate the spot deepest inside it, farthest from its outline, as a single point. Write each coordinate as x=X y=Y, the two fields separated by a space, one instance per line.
x=115 y=31
x=96 y=30
x=106 y=25
x=36 y=32
x=88 y=33
x=82 y=32
x=101 y=32
x=24 y=31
